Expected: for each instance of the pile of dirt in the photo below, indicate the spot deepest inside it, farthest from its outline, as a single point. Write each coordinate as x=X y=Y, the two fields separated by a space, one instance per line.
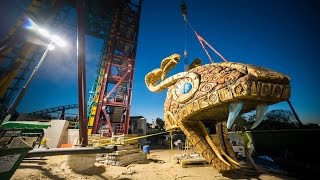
x=157 y=166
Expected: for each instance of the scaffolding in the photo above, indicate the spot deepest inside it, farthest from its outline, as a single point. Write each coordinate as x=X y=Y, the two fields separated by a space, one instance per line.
x=110 y=96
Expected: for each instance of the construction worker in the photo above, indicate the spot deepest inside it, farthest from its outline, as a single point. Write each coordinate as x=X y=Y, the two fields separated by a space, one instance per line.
x=246 y=141
x=43 y=143
x=179 y=144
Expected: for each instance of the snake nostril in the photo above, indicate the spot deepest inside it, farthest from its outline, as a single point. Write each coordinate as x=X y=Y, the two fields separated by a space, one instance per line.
x=185 y=88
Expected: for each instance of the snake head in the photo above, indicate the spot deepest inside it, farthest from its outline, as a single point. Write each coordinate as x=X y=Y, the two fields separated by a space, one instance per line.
x=220 y=91
x=217 y=93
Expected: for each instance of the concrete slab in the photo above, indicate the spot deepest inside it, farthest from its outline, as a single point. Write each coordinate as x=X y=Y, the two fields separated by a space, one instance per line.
x=70 y=136
x=55 y=132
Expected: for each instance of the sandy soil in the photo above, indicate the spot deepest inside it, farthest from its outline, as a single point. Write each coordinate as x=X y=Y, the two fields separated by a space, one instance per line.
x=157 y=166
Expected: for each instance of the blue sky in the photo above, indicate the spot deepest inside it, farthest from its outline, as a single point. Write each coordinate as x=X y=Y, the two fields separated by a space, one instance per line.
x=280 y=35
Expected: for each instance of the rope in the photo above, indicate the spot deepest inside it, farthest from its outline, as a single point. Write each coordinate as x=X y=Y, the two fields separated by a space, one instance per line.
x=203 y=47
x=202 y=40
x=134 y=138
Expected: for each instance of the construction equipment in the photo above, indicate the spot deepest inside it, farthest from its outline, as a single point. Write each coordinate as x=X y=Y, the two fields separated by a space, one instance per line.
x=16 y=139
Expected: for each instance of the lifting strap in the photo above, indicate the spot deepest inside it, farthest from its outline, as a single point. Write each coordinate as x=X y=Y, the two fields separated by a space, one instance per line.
x=200 y=39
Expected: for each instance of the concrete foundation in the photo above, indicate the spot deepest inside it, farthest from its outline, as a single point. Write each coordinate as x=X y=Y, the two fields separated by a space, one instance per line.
x=55 y=133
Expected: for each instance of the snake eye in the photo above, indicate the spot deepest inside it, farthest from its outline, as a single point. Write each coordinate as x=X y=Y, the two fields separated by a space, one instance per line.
x=185 y=88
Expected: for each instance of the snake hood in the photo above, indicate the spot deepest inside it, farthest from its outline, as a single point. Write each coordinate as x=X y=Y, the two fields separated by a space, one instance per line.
x=217 y=92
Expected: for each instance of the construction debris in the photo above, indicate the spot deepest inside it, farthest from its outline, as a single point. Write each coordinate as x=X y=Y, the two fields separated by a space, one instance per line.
x=124 y=139
x=128 y=149
x=126 y=155
x=193 y=162
x=190 y=160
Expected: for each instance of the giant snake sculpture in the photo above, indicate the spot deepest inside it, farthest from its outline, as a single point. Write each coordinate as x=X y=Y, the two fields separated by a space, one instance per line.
x=215 y=93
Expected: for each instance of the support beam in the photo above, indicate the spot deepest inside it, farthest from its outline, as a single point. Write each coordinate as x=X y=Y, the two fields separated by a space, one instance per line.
x=21 y=93
x=295 y=114
x=81 y=74
x=107 y=119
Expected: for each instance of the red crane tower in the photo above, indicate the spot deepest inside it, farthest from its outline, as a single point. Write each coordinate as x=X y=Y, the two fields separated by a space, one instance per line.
x=110 y=97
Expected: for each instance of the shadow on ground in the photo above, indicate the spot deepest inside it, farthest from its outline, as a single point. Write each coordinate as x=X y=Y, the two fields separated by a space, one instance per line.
x=242 y=173
x=92 y=171
x=44 y=171
x=47 y=171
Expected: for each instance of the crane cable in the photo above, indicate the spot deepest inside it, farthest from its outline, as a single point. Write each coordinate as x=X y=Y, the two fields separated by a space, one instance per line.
x=185 y=53
x=200 y=38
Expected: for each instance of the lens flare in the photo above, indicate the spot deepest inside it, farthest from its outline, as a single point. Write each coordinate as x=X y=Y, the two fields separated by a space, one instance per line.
x=51 y=47
x=30 y=24
x=58 y=41
x=44 y=32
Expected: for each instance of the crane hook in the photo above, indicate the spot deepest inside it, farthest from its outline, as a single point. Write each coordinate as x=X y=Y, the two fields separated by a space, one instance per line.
x=183 y=7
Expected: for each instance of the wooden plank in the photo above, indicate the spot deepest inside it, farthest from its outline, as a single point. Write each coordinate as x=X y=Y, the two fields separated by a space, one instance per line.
x=126 y=147
x=125 y=152
x=125 y=162
x=124 y=159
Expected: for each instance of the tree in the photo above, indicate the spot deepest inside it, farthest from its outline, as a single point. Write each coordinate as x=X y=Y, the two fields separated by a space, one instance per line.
x=275 y=119
x=281 y=119
x=240 y=122
x=160 y=124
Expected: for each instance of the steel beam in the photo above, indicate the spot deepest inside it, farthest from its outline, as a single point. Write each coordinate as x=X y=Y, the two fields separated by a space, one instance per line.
x=295 y=114
x=81 y=73
x=70 y=151
x=127 y=120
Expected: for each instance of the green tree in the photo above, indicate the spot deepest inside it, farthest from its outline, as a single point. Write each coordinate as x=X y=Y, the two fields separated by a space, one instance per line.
x=275 y=119
x=160 y=124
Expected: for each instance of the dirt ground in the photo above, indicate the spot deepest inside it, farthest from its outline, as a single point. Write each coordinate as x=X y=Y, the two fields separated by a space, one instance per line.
x=157 y=166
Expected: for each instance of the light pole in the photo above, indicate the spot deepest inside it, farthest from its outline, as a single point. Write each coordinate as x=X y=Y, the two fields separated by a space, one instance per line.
x=53 y=40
